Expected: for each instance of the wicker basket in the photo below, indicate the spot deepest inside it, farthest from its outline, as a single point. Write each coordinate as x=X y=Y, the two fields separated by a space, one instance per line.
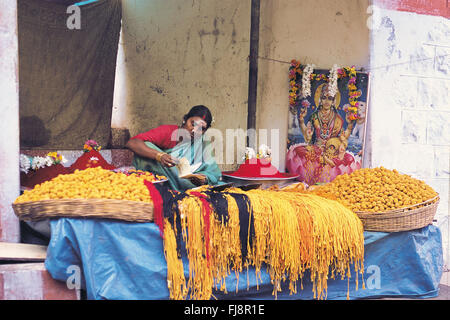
x=404 y=219
x=126 y=210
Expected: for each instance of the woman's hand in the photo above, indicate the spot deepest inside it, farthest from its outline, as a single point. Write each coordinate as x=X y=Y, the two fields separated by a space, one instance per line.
x=198 y=179
x=141 y=149
x=349 y=121
x=302 y=114
x=326 y=160
x=167 y=160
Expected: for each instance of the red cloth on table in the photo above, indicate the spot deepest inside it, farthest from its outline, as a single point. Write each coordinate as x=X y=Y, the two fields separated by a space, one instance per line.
x=157 y=200
x=91 y=159
x=33 y=178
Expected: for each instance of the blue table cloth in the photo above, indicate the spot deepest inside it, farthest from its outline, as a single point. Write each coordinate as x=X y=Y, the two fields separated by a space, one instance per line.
x=125 y=261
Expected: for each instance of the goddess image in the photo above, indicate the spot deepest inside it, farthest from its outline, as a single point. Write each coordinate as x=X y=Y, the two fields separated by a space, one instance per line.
x=323 y=155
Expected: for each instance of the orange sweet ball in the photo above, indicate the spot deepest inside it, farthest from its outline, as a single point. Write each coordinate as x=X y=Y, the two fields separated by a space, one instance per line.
x=376 y=190
x=93 y=183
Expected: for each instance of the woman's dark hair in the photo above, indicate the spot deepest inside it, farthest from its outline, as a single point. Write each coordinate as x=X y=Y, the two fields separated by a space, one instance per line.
x=200 y=111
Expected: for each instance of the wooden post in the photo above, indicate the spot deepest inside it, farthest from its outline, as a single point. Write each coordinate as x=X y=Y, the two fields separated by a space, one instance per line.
x=253 y=72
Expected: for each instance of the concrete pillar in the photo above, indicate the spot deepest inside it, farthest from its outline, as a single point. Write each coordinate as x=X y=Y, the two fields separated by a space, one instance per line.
x=9 y=128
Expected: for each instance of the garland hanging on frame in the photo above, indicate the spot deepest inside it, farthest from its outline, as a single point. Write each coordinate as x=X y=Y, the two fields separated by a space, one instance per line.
x=299 y=91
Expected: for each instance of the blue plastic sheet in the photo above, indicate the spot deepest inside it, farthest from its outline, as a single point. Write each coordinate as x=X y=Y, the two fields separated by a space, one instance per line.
x=121 y=260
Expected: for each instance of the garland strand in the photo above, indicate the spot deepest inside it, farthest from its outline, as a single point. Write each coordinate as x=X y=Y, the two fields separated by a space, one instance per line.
x=288 y=231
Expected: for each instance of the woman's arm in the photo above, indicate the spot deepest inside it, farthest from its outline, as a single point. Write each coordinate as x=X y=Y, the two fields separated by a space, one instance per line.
x=138 y=147
x=301 y=121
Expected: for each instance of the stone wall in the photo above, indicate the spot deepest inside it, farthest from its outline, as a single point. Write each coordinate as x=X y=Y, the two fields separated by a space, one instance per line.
x=177 y=54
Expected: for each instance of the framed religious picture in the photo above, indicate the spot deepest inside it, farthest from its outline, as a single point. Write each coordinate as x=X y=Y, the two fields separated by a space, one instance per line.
x=327 y=121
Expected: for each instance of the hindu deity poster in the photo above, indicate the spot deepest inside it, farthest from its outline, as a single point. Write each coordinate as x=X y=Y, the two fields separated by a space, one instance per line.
x=327 y=122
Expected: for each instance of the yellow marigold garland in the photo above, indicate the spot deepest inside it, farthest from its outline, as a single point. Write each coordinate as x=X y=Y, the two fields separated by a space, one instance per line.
x=294 y=232
x=175 y=271
x=200 y=274
x=226 y=245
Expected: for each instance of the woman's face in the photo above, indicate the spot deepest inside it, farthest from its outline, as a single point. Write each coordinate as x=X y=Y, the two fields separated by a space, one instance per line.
x=196 y=126
x=327 y=101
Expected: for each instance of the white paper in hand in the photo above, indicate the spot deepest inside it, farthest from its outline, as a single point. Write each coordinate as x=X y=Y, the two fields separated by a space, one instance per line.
x=185 y=170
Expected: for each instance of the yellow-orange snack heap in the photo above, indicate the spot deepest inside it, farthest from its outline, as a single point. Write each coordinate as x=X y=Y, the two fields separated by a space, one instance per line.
x=376 y=190
x=146 y=175
x=92 y=183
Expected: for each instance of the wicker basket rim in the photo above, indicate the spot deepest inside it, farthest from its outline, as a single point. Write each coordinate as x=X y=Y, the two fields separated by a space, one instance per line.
x=402 y=215
x=428 y=202
x=134 y=211
x=78 y=200
x=396 y=215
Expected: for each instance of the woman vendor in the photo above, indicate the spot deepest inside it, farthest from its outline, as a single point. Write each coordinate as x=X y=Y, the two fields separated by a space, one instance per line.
x=159 y=150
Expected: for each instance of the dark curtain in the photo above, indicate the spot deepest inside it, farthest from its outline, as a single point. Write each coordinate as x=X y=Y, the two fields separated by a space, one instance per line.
x=66 y=77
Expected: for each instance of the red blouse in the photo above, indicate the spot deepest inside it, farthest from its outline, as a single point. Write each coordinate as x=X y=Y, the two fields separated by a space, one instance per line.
x=160 y=136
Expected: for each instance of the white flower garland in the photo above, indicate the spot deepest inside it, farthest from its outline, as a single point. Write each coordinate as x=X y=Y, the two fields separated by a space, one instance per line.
x=333 y=88
x=264 y=151
x=28 y=163
x=39 y=162
x=25 y=163
x=249 y=154
x=306 y=80
x=48 y=161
